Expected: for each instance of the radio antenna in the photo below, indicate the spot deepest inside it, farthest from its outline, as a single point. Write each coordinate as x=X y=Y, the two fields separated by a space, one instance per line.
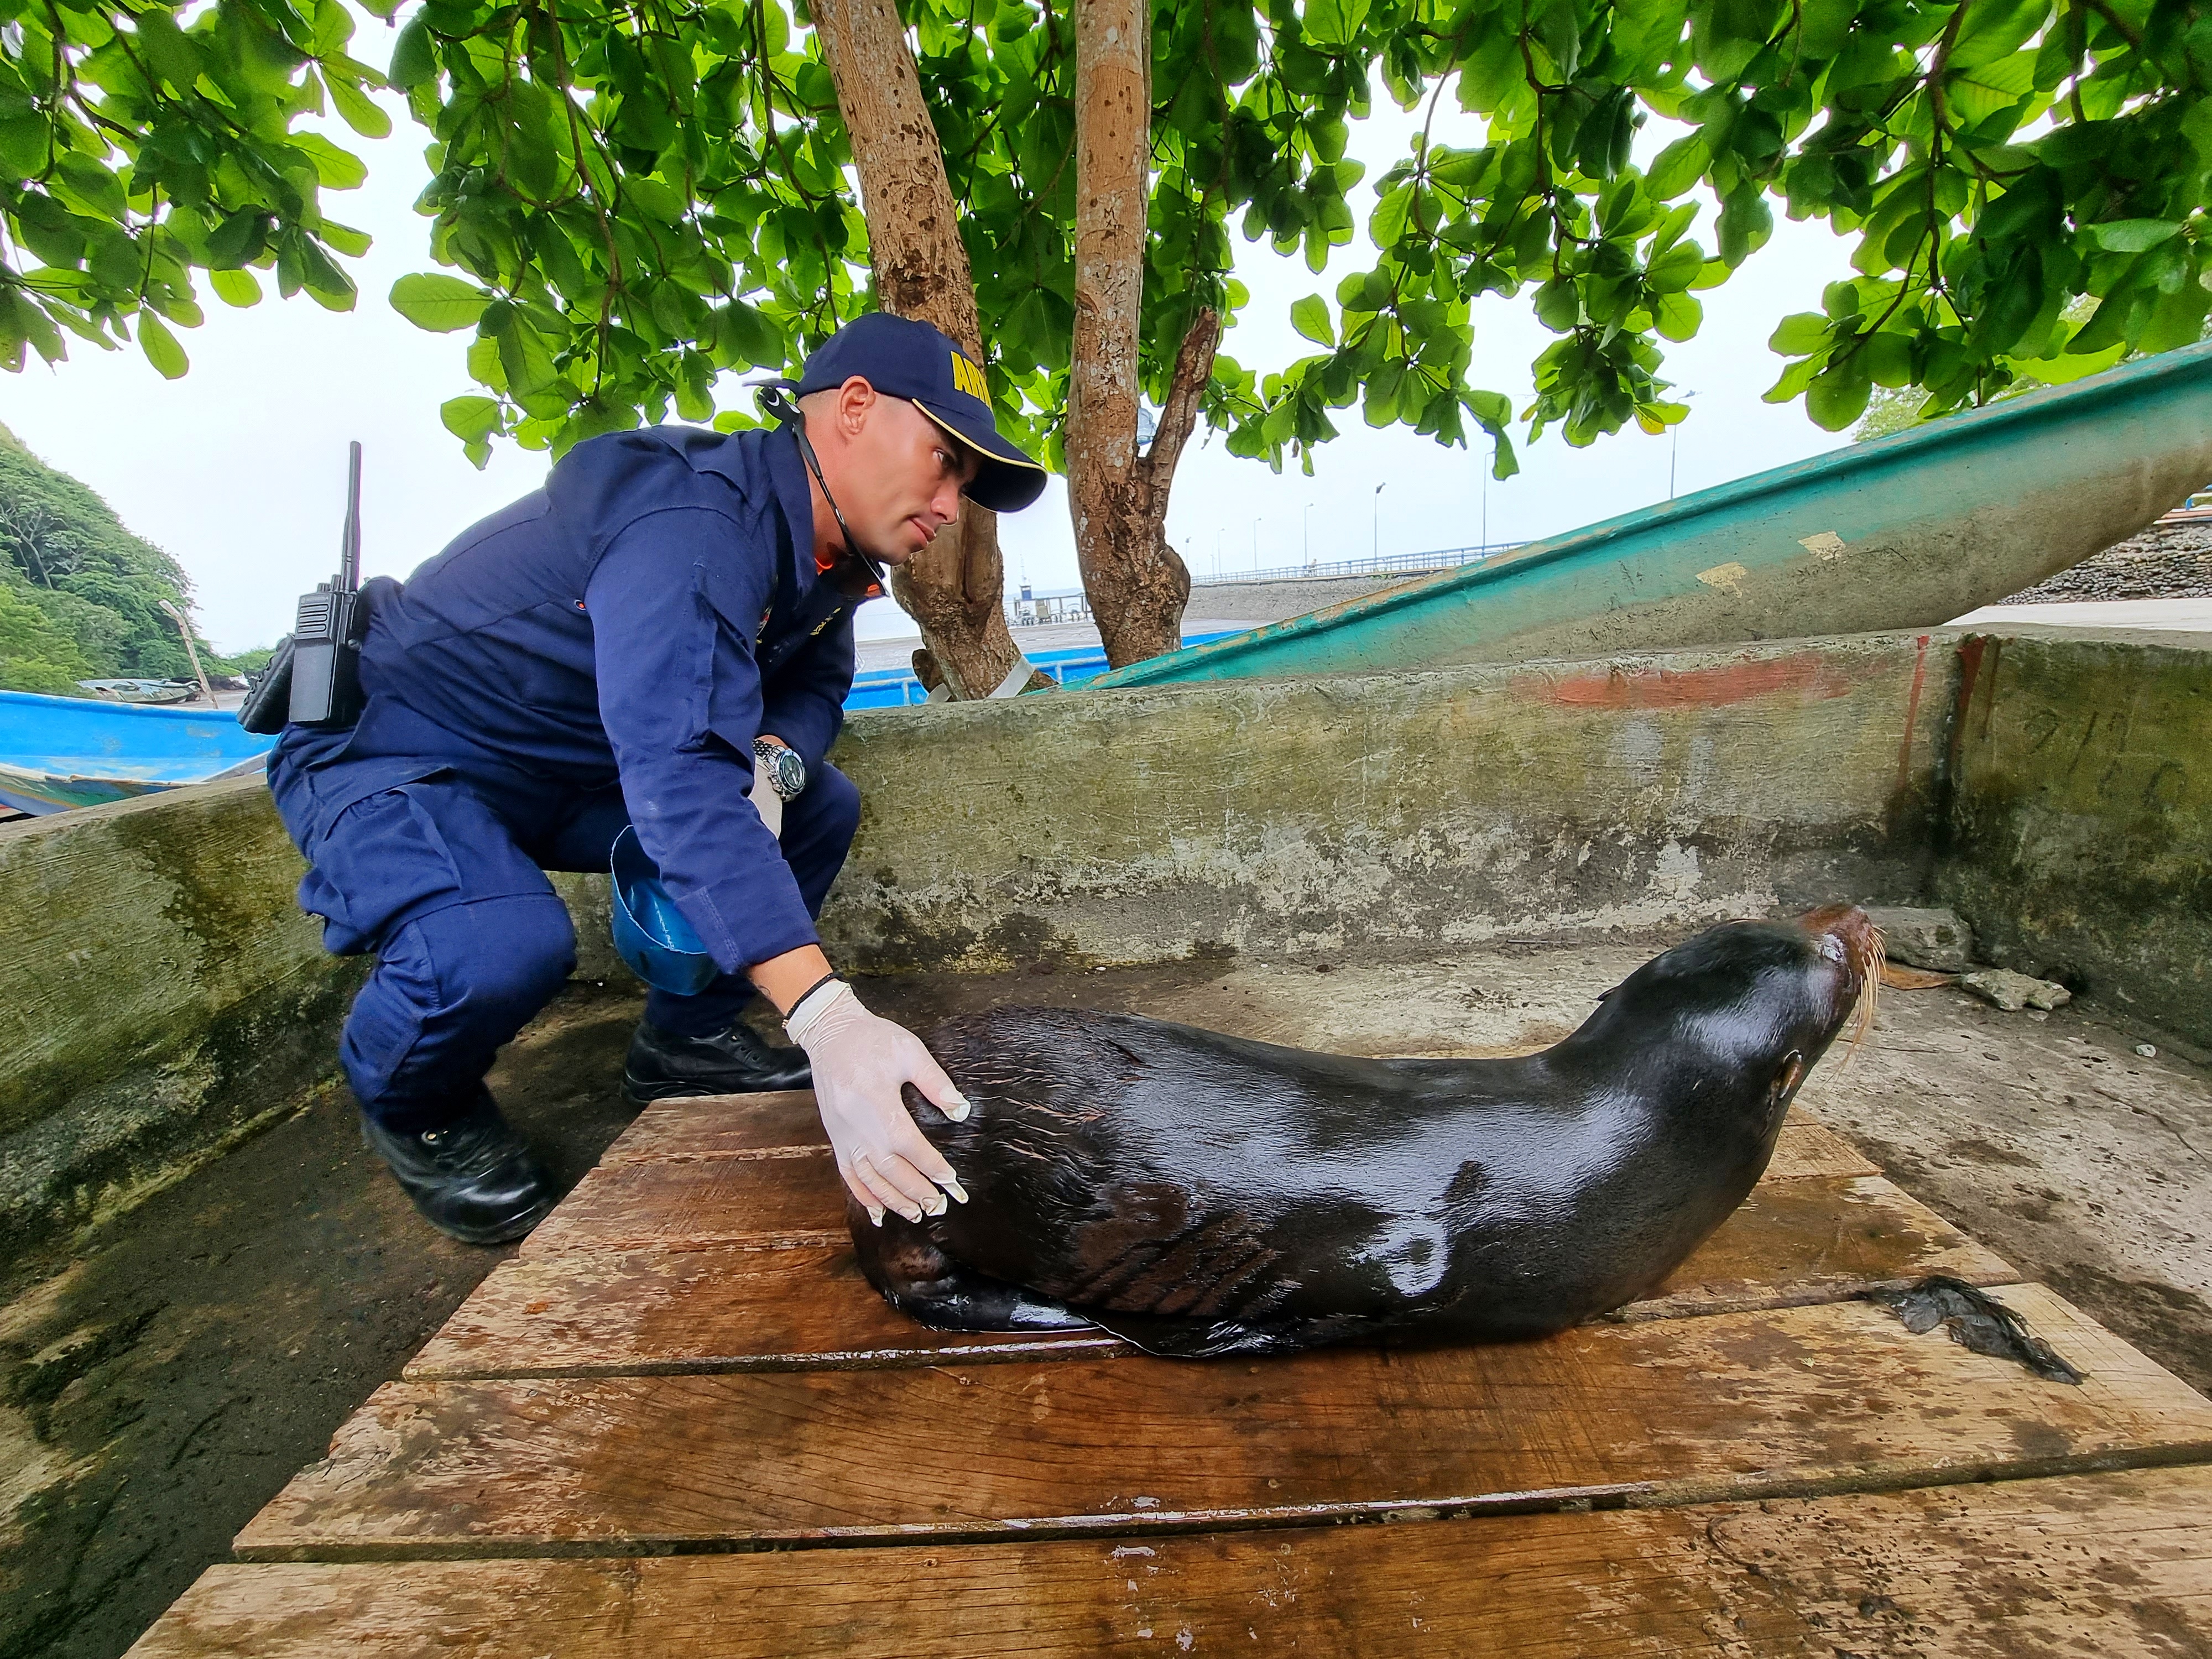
x=350 y=547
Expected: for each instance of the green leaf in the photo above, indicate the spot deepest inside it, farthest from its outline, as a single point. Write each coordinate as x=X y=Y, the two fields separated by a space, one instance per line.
x=161 y=346
x=1332 y=25
x=1838 y=395
x=1389 y=223
x=414 y=55
x=2133 y=236
x=358 y=110
x=442 y=304
x=1745 y=223
x=1309 y=316
x=1380 y=402
x=1559 y=306
x=1677 y=316
x=470 y=419
x=1677 y=267
x=235 y=288
x=746 y=337
x=335 y=169
x=1889 y=360
x=1795 y=336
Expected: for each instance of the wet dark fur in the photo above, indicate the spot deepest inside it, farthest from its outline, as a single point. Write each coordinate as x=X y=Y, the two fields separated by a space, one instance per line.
x=1202 y=1194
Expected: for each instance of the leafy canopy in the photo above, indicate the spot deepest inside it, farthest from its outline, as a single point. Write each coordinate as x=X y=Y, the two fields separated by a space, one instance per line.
x=638 y=196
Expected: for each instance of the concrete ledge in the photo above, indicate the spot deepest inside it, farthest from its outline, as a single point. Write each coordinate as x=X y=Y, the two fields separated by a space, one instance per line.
x=1391 y=812
x=2079 y=831
x=159 y=995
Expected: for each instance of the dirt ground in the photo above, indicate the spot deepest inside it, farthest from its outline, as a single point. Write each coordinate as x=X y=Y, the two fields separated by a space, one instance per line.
x=159 y=1385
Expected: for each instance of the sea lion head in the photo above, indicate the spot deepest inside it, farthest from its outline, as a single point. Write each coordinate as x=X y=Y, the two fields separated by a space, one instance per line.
x=1740 y=1013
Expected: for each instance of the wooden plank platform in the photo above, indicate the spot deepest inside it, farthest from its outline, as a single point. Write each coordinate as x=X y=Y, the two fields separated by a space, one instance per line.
x=2117 y=1564
x=632 y=1437
x=711 y=1295
x=1793 y=1400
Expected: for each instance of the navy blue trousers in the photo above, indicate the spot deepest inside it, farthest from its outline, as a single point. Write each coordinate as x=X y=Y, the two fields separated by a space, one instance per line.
x=443 y=877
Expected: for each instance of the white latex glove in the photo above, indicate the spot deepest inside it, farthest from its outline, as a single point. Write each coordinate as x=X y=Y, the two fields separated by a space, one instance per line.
x=861 y=1061
x=766 y=801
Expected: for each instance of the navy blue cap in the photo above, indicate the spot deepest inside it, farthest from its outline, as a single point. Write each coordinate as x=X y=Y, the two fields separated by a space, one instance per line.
x=903 y=357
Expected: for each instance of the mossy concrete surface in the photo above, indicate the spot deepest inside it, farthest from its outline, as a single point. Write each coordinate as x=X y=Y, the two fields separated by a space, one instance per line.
x=1391 y=813
x=2080 y=826
x=159 y=995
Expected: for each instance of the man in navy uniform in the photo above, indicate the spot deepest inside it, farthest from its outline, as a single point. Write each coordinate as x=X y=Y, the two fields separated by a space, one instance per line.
x=662 y=638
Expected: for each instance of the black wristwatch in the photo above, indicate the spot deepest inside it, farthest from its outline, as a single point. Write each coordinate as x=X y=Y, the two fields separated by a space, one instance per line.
x=786 y=769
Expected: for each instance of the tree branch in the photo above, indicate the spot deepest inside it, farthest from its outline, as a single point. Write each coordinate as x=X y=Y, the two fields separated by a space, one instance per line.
x=1179 y=414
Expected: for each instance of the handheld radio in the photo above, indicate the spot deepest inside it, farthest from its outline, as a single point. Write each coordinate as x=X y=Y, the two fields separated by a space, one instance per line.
x=314 y=677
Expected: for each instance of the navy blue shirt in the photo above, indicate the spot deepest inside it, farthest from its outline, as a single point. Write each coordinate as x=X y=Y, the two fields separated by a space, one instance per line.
x=642 y=618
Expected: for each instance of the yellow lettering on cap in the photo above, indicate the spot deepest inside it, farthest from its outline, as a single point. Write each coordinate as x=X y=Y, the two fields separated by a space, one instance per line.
x=968 y=378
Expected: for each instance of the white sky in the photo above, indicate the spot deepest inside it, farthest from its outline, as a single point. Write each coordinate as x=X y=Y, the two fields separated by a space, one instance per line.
x=238 y=469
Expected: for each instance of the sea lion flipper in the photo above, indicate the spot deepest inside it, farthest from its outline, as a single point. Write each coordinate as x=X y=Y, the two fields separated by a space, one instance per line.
x=912 y=1274
x=1198 y=1339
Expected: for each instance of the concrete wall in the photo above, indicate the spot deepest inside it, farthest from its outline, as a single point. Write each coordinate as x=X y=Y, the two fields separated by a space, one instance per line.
x=2080 y=828
x=160 y=995
x=1390 y=813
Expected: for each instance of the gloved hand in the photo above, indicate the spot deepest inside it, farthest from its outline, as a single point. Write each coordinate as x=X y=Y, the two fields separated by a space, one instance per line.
x=766 y=801
x=860 y=1062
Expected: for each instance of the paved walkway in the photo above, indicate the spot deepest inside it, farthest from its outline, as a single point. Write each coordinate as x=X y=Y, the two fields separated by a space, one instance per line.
x=2175 y=615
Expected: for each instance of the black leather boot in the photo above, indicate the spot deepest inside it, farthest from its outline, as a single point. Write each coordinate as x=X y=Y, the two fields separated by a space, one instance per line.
x=473 y=1179
x=739 y=1061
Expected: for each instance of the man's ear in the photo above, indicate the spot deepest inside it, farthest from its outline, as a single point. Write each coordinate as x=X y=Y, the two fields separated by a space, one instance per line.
x=856 y=401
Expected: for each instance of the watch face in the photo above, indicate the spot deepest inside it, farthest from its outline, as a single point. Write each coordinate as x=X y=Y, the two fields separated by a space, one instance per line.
x=786 y=771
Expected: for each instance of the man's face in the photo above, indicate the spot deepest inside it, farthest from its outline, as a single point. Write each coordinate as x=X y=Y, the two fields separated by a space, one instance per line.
x=898 y=474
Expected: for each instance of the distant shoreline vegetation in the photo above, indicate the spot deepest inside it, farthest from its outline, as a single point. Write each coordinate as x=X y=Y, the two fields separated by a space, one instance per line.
x=81 y=596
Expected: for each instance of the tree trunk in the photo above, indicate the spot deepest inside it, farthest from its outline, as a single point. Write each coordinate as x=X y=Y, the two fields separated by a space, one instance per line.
x=1137 y=584
x=954 y=587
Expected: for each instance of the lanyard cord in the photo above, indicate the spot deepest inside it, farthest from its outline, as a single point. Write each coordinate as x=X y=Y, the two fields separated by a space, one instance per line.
x=777 y=402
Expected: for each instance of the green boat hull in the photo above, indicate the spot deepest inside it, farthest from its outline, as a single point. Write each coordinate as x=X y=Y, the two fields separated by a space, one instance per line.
x=1907 y=531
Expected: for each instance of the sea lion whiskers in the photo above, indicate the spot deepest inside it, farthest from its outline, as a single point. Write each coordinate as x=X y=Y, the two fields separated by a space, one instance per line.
x=1861 y=954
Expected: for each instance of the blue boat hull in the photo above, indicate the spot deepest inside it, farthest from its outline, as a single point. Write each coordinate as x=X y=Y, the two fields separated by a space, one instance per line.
x=57 y=753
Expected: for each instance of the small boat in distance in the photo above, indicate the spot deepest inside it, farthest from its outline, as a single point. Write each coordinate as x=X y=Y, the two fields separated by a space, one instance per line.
x=140 y=692
x=57 y=753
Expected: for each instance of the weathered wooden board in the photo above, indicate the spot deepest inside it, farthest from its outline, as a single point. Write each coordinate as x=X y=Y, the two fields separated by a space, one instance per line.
x=757 y=1203
x=600 y=1313
x=722 y=1126
x=1807 y=1148
x=1815 y=1239
x=702 y=1175
x=1796 y=1400
x=2114 y=1564
x=773 y=1125
x=728 y=1307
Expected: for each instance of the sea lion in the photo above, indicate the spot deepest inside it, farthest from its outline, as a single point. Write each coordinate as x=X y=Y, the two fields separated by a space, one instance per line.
x=1199 y=1195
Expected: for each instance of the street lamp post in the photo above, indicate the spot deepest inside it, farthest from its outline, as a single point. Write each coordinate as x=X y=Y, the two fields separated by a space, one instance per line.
x=1374 y=523
x=1674 y=448
x=1305 y=526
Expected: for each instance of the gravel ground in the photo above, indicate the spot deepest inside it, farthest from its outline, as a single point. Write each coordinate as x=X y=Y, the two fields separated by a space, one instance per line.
x=2167 y=561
